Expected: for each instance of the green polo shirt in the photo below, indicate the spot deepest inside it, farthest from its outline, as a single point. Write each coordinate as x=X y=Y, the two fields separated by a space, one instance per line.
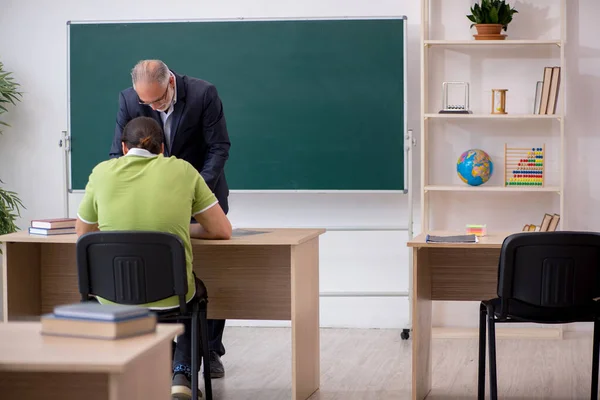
x=147 y=192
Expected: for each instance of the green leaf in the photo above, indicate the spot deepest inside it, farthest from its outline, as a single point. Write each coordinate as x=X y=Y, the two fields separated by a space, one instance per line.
x=494 y=15
x=10 y=210
x=492 y=12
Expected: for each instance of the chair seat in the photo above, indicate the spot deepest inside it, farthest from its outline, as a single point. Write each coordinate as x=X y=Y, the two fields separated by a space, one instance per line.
x=523 y=312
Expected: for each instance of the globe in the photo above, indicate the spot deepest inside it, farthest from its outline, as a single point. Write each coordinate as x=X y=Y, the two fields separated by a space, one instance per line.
x=474 y=167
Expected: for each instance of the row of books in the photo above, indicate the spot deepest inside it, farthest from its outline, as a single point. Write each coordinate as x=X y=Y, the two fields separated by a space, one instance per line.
x=549 y=224
x=55 y=226
x=98 y=321
x=546 y=92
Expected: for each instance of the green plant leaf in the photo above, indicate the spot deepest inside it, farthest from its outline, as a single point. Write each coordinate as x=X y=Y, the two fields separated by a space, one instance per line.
x=494 y=15
x=492 y=12
x=9 y=91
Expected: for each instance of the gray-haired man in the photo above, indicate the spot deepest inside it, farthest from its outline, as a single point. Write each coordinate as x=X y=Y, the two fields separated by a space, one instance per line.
x=191 y=114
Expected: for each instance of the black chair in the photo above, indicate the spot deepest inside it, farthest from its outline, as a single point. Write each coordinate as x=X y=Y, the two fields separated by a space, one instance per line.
x=546 y=278
x=133 y=267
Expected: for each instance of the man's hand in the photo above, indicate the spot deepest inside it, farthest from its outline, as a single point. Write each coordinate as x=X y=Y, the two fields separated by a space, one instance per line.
x=81 y=228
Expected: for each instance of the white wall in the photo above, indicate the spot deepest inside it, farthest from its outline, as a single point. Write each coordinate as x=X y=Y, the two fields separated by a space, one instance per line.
x=31 y=162
x=34 y=47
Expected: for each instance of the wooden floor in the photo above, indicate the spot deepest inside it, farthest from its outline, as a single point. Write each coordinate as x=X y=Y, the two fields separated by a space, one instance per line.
x=375 y=364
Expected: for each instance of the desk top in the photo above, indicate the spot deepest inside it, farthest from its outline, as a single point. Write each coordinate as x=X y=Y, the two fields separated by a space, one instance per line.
x=490 y=241
x=275 y=236
x=24 y=348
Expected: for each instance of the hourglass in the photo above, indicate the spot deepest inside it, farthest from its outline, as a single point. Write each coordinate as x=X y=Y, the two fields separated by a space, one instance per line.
x=499 y=101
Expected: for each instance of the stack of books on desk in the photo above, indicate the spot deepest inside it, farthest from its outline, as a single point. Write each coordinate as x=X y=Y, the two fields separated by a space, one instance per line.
x=97 y=321
x=56 y=226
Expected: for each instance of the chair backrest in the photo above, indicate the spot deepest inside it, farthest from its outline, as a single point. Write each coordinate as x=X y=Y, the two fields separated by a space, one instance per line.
x=132 y=267
x=550 y=269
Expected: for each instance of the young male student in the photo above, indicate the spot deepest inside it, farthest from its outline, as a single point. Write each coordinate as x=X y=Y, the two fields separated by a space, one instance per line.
x=146 y=191
x=192 y=116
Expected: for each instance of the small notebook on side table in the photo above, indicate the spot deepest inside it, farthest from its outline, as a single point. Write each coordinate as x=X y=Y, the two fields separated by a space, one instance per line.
x=452 y=239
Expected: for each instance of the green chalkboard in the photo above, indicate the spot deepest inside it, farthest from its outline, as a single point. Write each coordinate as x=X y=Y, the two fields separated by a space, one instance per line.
x=310 y=104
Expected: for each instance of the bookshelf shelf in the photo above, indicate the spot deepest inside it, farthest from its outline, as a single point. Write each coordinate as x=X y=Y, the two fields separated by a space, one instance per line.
x=494 y=116
x=478 y=61
x=479 y=43
x=491 y=188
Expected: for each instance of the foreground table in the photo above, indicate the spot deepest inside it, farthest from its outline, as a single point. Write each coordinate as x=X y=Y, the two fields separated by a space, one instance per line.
x=33 y=366
x=272 y=275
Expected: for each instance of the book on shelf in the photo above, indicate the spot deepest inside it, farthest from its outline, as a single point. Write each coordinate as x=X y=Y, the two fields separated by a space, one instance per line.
x=546 y=98
x=97 y=321
x=549 y=224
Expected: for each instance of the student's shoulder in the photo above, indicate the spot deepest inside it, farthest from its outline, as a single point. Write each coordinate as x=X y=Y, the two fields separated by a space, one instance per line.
x=178 y=164
x=105 y=166
x=102 y=171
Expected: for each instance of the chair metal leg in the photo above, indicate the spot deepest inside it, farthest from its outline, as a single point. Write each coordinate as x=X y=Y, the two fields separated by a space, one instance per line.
x=205 y=352
x=195 y=361
x=481 y=365
x=492 y=349
x=595 y=354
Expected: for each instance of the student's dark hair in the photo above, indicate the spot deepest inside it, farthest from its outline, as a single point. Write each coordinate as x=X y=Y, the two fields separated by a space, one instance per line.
x=143 y=133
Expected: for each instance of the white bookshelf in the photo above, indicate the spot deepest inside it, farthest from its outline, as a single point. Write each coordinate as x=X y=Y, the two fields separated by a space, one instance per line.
x=493 y=116
x=490 y=188
x=430 y=114
x=507 y=42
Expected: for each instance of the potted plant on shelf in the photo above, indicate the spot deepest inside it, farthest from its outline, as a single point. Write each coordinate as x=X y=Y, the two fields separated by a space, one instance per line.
x=490 y=18
x=10 y=204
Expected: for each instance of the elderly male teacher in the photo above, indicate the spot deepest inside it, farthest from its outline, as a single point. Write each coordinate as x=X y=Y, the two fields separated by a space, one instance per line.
x=191 y=114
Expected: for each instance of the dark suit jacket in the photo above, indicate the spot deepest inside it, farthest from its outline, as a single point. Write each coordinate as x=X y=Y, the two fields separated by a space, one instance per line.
x=198 y=131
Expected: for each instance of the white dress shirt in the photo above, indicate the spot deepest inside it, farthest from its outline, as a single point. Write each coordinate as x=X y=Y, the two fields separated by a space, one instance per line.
x=166 y=117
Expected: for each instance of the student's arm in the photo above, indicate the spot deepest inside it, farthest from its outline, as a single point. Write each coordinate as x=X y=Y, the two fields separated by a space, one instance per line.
x=81 y=228
x=212 y=224
x=212 y=221
x=87 y=214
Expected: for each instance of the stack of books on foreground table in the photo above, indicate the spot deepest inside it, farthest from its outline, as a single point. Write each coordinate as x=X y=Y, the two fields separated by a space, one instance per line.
x=56 y=226
x=94 y=320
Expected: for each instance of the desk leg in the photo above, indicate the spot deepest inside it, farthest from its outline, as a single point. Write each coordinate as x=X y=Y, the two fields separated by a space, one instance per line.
x=21 y=278
x=305 y=319
x=421 y=325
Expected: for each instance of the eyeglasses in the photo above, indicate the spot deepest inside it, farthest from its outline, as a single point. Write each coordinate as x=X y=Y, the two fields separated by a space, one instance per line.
x=159 y=100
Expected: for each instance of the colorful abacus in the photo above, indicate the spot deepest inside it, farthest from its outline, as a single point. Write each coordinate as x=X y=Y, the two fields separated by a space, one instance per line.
x=524 y=166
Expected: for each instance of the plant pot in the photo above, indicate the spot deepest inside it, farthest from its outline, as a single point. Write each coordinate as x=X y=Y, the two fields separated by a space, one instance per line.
x=489 y=32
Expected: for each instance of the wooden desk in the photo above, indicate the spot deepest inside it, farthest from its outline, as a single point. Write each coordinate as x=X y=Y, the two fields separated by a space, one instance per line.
x=446 y=271
x=33 y=366
x=269 y=276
